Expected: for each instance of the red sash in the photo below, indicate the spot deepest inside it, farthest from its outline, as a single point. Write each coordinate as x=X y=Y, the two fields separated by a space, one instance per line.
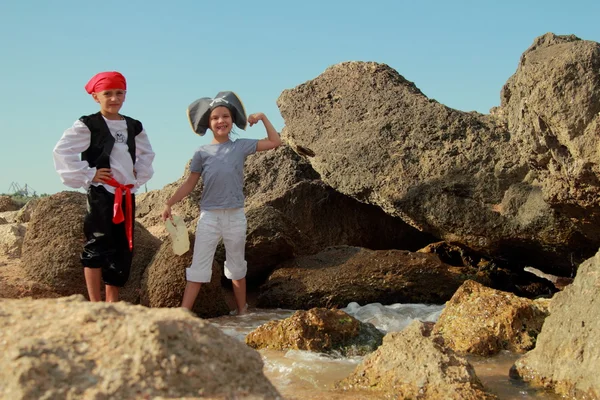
x=118 y=211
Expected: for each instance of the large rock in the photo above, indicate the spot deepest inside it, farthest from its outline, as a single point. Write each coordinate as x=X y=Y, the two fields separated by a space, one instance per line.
x=11 y=239
x=552 y=108
x=319 y=330
x=53 y=243
x=269 y=175
x=285 y=181
x=413 y=365
x=483 y=321
x=459 y=176
x=271 y=239
x=164 y=282
x=72 y=349
x=566 y=357
x=338 y=276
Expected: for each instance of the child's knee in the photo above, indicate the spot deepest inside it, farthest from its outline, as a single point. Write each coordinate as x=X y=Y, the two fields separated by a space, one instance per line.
x=236 y=270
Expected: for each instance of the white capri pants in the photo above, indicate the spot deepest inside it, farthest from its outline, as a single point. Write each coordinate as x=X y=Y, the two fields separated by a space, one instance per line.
x=229 y=224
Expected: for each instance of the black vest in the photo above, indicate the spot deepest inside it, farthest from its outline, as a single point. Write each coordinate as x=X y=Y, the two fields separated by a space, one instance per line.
x=102 y=142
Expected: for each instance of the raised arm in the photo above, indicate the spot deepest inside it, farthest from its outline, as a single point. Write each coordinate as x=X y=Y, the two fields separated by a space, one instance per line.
x=273 y=140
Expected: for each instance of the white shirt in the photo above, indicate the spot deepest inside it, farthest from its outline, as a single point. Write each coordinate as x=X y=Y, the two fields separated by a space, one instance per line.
x=76 y=173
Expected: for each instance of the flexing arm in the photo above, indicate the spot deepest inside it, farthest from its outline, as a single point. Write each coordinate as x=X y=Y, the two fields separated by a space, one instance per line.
x=183 y=190
x=273 y=140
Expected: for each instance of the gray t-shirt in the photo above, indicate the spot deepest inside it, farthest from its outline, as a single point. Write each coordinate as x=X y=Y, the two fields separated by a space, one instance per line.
x=222 y=169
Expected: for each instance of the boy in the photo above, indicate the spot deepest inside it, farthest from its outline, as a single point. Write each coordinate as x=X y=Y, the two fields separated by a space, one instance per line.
x=116 y=159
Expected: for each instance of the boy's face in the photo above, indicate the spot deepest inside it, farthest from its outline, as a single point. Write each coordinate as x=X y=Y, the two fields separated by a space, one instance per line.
x=220 y=122
x=110 y=100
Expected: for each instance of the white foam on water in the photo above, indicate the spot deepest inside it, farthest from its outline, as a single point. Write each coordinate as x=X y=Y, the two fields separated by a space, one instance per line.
x=395 y=317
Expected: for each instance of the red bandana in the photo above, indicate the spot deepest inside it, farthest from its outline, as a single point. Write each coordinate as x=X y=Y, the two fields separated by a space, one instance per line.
x=106 y=80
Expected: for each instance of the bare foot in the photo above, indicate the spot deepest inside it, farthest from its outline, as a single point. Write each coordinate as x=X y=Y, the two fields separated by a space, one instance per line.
x=240 y=312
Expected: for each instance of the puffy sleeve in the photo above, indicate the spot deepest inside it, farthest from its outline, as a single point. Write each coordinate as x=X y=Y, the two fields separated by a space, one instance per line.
x=144 y=156
x=72 y=170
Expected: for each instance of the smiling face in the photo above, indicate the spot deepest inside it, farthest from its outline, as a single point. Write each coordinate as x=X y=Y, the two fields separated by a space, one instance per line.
x=220 y=123
x=111 y=101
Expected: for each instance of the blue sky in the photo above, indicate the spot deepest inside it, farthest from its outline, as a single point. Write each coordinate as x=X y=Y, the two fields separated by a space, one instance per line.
x=173 y=52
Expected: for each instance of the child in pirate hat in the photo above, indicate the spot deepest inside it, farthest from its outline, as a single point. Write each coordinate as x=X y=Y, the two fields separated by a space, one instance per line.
x=221 y=166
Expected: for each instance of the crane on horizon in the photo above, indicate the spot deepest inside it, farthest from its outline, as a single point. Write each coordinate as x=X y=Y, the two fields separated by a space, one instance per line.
x=25 y=191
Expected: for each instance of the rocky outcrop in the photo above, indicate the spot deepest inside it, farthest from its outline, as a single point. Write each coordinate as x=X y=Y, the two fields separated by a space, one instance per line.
x=97 y=350
x=566 y=356
x=462 y=177
x=483 y=321
x=285 y=181
x=552 y=108
x=8 y=204
x=319 y=330
x=411 y=364
x=53 y=243
x=340 y=275
x=9 y=216
x=24 y=214
x=164 y=282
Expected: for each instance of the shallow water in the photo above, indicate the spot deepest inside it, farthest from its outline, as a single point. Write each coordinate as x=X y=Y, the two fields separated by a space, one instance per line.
x=306 y=375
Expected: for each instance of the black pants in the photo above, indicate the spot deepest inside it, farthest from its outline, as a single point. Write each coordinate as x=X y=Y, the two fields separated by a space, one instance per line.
x=107 y=246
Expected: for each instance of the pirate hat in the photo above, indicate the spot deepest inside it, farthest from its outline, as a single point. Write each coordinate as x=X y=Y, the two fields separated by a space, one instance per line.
x=199 y=111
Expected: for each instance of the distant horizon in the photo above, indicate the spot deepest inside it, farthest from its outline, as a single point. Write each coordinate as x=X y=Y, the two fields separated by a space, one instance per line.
x=459 y=53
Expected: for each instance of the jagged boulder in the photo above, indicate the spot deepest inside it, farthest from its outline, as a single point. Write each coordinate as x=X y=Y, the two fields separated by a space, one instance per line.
x=269 y=175
x=483 y=321
x=320 y=330
x=462 y=177
x=567 y=356
x=340 y=275
x=284 y=180
x=68 y=348
x=164 y=282
x=412 y=364
x=552 y=108
x=53 y=243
